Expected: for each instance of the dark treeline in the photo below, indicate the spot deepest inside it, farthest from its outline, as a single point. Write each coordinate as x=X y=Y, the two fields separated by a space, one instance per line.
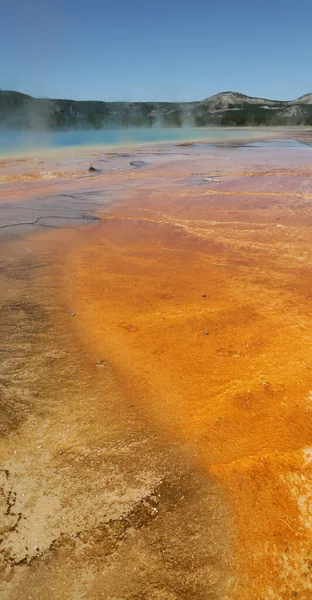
x=21 y=111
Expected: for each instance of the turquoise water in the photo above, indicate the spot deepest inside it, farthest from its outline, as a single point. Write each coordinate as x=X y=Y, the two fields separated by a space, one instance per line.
x=277 y=144
x=15 y=141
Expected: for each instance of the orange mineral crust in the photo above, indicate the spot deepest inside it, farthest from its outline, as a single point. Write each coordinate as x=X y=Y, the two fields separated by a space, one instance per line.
x=200 y=298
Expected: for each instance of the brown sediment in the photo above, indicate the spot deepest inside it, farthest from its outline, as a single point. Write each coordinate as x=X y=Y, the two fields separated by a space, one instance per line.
x=93 y=503
x=163 y=432
x=13 y=178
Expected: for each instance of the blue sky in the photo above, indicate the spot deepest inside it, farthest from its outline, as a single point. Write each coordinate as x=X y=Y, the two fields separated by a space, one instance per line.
x=158 y=50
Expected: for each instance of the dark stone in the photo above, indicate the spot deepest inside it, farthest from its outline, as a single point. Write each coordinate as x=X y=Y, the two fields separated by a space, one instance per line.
x=138 y=164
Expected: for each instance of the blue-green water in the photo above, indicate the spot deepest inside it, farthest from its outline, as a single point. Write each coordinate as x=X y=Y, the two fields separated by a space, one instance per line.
x=15 y=141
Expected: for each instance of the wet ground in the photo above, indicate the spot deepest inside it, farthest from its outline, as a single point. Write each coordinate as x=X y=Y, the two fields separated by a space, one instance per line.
x=155 y=390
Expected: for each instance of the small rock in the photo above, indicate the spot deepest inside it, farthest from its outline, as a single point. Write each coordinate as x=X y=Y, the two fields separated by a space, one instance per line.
x=138 y=164
x=206 y=332
x=91 y=169
x=204 y=296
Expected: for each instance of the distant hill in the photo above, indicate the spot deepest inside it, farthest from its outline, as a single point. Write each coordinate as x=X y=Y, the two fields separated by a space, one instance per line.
x=226 y=109
x=306 y=99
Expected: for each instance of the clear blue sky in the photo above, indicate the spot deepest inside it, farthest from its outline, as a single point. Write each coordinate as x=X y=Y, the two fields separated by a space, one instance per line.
x=156 y=50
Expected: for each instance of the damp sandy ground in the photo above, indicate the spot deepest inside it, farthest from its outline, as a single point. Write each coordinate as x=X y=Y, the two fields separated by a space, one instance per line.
x=155 y=399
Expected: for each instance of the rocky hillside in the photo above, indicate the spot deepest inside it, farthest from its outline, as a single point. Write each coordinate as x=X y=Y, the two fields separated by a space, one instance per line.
x=306 y=99
x=225 y=109
x=231 y=108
